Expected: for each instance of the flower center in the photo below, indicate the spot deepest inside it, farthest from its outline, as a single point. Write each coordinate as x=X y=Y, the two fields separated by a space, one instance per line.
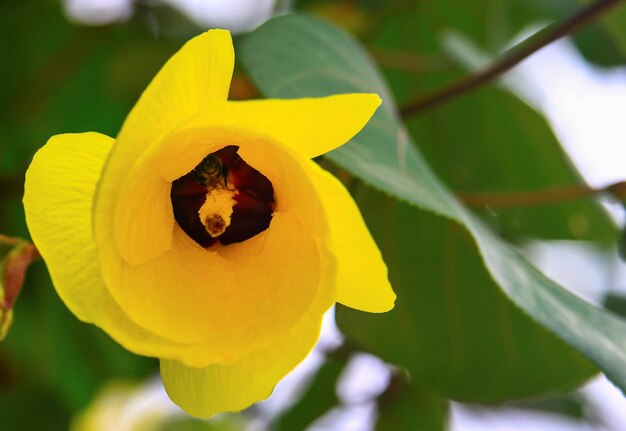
x=223 y=199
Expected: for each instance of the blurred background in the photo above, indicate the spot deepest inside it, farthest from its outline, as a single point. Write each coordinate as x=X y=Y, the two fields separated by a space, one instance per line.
x=443 y=359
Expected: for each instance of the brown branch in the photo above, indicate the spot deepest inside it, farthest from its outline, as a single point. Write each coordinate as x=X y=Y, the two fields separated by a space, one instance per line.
x=10 y=240
x=539 y=197
x=510 y=58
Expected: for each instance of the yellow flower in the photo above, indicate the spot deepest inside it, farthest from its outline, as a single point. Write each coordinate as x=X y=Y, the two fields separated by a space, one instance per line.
x=204 y=235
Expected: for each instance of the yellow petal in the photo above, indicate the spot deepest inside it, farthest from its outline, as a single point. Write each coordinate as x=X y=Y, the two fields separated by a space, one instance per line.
x=203 y=392
x=146 y=209
x=195 y=77
x=234 y=297
x=311 y=126
x=58 y=195
x=362 y=281
x=231 y=299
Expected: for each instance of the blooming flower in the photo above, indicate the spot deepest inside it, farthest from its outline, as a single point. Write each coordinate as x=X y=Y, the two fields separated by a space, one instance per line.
x=204 y=235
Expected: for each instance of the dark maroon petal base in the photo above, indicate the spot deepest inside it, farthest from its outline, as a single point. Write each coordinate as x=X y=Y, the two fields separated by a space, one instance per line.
x=252 y=212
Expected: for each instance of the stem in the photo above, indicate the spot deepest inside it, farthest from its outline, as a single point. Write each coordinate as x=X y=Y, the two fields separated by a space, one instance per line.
x=539 y=197
x=10 y=240
x=510 y=58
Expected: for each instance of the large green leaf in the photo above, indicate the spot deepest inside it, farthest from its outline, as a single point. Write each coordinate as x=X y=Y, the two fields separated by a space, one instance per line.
x=498 y=143
x=490 y=141
x=455 y=331
x=295 y=56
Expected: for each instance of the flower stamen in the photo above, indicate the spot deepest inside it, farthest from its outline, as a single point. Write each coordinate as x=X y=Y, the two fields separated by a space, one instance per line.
x=223 y=199
x=215 y=214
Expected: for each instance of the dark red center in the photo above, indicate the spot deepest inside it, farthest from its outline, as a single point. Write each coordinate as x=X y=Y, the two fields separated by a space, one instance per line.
x=254 y=200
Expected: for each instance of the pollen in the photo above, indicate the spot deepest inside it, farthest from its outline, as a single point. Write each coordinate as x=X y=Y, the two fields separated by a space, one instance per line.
x=223 y=200
x=217 y=210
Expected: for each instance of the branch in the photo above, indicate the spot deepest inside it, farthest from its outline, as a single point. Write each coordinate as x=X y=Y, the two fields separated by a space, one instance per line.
x=10 y=240
x=511 y=58
x=539 y=197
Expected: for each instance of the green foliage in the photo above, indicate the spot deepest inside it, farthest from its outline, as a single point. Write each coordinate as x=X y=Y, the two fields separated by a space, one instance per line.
x=473 y=321
x=610 y=34
x=489 y=140
x=49 y=345
x=499 y=144
x=61 y=78
x=33 y=407
x=296 y=56
x=454 y=330
x=405 y=406
x=79 y=79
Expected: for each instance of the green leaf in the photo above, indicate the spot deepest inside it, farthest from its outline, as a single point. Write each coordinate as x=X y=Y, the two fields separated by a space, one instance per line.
x=498 y=143
x=295 y=56
x=490 y=141
x=616 y=303
x=456 y=332
x=403 y=406
x=605 y=42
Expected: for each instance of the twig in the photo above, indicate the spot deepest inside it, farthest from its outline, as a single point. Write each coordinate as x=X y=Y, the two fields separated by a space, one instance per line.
x=10 y=240
x=511 y=57
x=539 y=197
